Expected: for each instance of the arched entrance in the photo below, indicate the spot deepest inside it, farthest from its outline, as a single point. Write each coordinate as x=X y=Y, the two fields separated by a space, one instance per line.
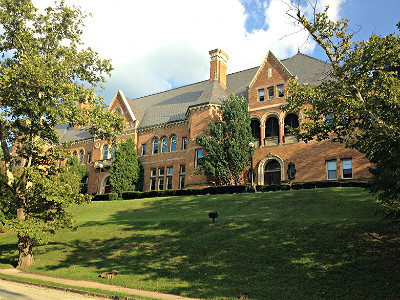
x=107 y=186
x=272 y=172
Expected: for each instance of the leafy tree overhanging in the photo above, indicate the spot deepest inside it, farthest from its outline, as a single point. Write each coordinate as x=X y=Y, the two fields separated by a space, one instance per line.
x=361 y=97
x=46 y=78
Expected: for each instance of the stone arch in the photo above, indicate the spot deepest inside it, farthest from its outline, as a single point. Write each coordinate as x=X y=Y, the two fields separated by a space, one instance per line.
x=261 y=167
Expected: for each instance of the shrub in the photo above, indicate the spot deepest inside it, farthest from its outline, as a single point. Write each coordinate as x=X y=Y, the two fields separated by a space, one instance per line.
x=101 y=197
x=131 y=195
x=113 y=196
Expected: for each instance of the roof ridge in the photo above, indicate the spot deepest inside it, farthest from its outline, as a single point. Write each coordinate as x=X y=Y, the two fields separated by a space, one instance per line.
x=179 y=87
x=314 y=58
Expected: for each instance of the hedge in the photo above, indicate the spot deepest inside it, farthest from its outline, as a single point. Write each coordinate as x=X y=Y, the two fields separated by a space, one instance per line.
x=231 y=189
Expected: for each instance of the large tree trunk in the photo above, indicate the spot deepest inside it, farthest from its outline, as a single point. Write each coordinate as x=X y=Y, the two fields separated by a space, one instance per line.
x=24 y=244
x=25 y=251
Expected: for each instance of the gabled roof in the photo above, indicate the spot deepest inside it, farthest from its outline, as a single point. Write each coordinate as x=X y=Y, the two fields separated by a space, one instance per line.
x=279 y=63
x=172 y=105
x=308 y=69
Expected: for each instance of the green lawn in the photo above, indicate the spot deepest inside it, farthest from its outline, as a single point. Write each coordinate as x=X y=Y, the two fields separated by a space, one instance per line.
x=308 y=244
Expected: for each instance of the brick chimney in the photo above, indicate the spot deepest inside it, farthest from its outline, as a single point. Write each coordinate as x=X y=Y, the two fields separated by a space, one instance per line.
x=218 y=66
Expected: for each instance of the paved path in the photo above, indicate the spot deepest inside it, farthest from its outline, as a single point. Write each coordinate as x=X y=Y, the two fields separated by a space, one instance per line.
x=10 y=290
x=96 y=285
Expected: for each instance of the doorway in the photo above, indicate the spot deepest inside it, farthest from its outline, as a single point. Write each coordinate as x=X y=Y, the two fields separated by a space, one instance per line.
x=272 y=173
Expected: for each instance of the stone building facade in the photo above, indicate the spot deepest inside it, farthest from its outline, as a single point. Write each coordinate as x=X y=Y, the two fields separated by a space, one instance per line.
x=164 y=127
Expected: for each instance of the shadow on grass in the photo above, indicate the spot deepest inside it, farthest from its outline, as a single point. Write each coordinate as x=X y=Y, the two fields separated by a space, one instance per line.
x=170 y=246
x=8 y=255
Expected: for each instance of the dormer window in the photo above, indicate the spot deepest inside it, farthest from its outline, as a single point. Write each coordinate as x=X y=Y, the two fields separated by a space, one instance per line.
x=261 y=95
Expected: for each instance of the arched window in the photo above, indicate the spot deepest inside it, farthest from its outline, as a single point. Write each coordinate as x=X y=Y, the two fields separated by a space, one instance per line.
x=164 y=145
x=114 y=151
x=117 y=111
x=105 y=152
x=173 y=143
x=292 y=121
x=81 y=157
x=255 y=130
x=155 y=146
x=75 y=153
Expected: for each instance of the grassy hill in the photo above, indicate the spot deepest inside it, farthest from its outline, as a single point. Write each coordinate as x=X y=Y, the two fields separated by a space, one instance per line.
x=308 y=244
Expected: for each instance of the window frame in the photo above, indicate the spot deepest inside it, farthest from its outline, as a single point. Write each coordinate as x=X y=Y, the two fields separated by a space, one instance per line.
x=143 y=149
x=327 y=169
x=89 y=158
x=198 y=160
x=280 y=90
x=342 y=167
x=155 y=147
x=173 y=143
x=271 y=97
x=161 y=173
x=164 y=145
x=261 y=95
x=105 y=151
x=184 y=143
x=160 y=183
x=81 y=154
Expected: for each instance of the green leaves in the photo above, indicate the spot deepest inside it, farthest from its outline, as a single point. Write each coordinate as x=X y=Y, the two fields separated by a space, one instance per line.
x=125 y=168
x=361 y=99
x=226 y=147
x=46 y=78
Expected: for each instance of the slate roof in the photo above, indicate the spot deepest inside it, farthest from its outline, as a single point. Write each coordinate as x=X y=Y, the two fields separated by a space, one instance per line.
x=172 y=105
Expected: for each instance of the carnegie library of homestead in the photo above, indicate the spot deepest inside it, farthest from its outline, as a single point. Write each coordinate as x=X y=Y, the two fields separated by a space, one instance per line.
x=165 y=125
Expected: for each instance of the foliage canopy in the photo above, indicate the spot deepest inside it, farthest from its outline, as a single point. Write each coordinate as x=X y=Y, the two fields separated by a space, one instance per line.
x=358 y=105
x=46 y=79
x=125 y=168
x=226 y=145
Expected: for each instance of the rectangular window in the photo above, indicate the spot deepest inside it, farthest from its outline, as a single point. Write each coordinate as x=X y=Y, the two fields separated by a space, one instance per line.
x=347 y=169
x=160 y=183
x=161 y=171
x=89 y=158
x=281 y=91
x=261 y=95
x=152 y=184
x=169 y=183
x=331 y=169
x=199 y=156
x=181 y=181
x=170 y=171
x=270 y=93
x=182 y=169
x=184 y=143
x=269 y=73
x=153 y=172
x=143 y=149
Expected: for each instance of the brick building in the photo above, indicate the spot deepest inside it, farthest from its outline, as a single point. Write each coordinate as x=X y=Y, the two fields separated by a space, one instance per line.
x=165 y=125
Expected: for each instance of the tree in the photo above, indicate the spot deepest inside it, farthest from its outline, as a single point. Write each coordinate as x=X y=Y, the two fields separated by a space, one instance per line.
x=358 y=105
x=226 y=144
x=45 y=80
x=125 y=168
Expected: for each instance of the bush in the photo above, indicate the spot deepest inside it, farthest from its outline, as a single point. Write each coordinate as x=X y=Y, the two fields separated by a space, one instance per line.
x=113 y=196
x=131 y=195
x=101 y=197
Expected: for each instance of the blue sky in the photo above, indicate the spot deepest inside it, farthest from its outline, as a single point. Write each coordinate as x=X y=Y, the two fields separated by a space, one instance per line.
x=156 y=45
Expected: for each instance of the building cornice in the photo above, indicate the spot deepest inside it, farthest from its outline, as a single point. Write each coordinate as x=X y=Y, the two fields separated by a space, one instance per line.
x=201 y=107
x=163 y=126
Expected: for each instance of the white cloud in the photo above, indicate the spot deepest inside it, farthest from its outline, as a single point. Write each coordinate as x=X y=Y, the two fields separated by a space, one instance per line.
x=158 y=44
